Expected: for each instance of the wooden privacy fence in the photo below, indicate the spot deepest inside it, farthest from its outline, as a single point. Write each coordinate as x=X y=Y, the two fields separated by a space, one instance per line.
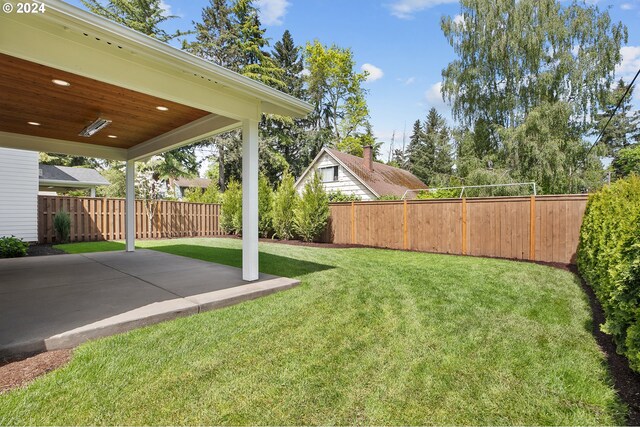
x=542 y=228
x=103 y=219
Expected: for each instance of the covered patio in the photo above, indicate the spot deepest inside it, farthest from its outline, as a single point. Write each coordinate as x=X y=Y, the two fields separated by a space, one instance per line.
x=75 y=83
x=60 y=301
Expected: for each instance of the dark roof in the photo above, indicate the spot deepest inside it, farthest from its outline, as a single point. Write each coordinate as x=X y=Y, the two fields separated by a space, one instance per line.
x=71 y=175
x=383 y=179
x=191 y=182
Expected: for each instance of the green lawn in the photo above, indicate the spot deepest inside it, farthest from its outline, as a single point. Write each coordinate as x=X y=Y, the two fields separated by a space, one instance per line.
x=370 y=337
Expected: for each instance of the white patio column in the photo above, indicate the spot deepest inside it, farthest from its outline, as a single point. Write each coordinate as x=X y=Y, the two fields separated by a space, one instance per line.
x=250 y=200
x=130 y=206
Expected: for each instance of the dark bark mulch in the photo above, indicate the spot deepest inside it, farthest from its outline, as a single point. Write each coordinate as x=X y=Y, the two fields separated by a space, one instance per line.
x=626 y=381
x=19 y=373
x=39 y=250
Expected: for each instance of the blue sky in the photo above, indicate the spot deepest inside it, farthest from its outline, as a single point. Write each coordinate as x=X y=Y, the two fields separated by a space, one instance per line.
x=399 y=41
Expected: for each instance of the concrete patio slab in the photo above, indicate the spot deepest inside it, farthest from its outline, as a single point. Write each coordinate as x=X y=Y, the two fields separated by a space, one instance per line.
x=60 y=301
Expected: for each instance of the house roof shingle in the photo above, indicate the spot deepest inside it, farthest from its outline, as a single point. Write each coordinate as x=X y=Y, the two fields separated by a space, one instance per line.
x=71 y=175
x=383 y=179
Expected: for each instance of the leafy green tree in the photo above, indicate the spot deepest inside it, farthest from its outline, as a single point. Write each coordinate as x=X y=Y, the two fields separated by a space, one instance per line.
x=548 y=150
x=624 y=128
x=265 y=206
x=231 y=209
x=627 y=162
x=144 y=16
x=335 y=90
x=312 y=211
x=513 y=56
x=117 y=182
x=211 y=194
x=285 y=201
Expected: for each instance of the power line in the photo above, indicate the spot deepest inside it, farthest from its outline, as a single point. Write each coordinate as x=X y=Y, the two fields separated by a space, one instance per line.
x=613 y=113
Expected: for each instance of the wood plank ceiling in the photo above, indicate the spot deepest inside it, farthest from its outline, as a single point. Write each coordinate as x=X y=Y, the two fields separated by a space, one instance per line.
x=28 y=94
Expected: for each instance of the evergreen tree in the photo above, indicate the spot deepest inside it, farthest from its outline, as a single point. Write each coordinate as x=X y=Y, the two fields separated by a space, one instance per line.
x=144 y=16
x=285 y=202
x=312 y=212
x=430 y=152
x=265 y=206
x=288 y=57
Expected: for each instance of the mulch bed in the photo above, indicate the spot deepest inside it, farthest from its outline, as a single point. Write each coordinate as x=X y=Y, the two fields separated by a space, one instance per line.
x=39 y=250
x=19 y=373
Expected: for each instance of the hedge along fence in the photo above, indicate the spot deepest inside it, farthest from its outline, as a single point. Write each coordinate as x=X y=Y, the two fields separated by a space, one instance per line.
x=542 y=228
x=104 y=219
x=609 y=260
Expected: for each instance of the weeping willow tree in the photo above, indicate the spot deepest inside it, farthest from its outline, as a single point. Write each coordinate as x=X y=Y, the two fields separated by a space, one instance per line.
x=514 y=55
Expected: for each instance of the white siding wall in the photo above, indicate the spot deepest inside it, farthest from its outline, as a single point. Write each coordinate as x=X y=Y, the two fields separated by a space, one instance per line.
x=346 y=182
x=19 y=194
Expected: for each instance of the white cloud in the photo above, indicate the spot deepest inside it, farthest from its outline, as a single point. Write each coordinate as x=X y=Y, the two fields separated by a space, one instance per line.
x=375 y=73
x=405 y=9
x=458 y=19
x=627 y=6
x=630 y=62
x=408 y=81
x=434 y=98
x=272 y=12
x=166 y=8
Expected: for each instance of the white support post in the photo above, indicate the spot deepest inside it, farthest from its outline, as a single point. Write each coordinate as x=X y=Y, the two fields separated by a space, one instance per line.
x=130 y=206
x=250 y=200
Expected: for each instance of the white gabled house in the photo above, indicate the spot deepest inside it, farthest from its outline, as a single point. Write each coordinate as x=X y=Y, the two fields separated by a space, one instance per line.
x=362 y=177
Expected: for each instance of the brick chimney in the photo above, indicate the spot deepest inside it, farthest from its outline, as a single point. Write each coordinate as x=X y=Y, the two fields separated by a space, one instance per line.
x=368 y=157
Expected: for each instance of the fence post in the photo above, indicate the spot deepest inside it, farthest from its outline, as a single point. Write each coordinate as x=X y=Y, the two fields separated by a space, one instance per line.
x=405 y=242
x=353 y=222
x=464 y=226
x=532 y=229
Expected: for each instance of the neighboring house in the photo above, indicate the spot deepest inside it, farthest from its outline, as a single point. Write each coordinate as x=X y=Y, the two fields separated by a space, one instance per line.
x=181 y=185
x=353 y=175
x=61 y=179
x=19 y=194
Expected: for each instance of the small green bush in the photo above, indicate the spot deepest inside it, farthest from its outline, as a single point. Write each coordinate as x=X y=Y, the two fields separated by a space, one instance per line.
x=196 y=195
x=12 y=247
x=62 y=226
x=285 y=201
x=441 y=193
x=339 y=196
x=609 y=260
x=312 y=212
x=231 y=215
x=265 y=205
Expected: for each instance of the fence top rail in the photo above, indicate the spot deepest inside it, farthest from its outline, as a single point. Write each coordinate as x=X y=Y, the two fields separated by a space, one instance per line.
x=121 y=199
x=468 y=199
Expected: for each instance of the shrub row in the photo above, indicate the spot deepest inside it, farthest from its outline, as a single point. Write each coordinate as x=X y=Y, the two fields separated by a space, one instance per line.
x=281 y=213
x=609 y=260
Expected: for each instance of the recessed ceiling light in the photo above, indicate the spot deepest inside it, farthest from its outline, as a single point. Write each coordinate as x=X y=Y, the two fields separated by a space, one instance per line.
x=162 y=108
x=112 y=136
x=34 y=123
x=61 y=82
